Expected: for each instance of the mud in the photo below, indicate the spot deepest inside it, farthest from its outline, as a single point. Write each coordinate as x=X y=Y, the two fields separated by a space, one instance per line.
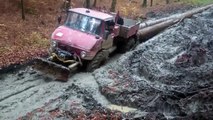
x=27 y=94
x=170 y=75
x=26 y=91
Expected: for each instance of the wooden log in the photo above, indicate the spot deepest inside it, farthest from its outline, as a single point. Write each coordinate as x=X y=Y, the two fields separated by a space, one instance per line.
x=151 y=31
x=176 y=16
x=157 y=26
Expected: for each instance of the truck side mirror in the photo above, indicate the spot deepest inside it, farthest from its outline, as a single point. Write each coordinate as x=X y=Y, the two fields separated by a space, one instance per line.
x=97 y=37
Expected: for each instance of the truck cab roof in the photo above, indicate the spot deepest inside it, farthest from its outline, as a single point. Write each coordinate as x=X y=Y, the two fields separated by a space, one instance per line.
x=93 y=13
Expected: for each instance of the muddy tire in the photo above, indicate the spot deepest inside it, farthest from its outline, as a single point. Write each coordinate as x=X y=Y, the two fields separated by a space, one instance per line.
x=97 y=61
x=126 y=46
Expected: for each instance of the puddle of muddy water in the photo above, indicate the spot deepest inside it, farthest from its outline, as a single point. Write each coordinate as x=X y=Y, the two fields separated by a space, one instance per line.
x=123 y=109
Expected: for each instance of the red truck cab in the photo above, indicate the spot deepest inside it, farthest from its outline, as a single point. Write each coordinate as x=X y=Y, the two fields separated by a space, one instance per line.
x=89 y=36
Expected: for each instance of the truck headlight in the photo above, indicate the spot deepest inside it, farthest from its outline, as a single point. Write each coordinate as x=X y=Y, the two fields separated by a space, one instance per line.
x=53 y=46
x=53 y=43
x=83 y=54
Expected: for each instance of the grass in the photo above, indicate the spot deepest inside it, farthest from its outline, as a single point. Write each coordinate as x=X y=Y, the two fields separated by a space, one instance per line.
x=36 y=39
x=4 y=49
x=199 y=2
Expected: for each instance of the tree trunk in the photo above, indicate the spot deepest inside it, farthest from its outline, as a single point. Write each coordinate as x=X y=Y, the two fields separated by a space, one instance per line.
x=22 y=9
x=154 y=27
x=113 y=5
x=151 y=31
x=87 y=5
x=144 y=4
x=67 y=5
x=167 y=1
x=176 y=16
x=151 y=3
x=94 y=3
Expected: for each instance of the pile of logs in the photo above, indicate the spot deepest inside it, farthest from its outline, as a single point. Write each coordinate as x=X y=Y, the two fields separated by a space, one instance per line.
x=150 y=28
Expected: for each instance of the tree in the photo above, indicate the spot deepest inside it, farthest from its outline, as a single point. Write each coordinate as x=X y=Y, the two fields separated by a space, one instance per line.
x=94 y=3
x=87 y=5
x=151 y=2
x=22 y=9
x=113 y=5
x=167 y=1
x=66 y=5
x=144 y=4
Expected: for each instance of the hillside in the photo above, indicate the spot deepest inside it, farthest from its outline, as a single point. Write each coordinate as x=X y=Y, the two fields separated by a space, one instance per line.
x=167 y=77
x=24 y=40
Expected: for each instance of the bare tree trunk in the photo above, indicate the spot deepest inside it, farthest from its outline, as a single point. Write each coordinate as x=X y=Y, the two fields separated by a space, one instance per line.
x=22 y=9
x=167 y=1
x=155 y=27
x=94 y=3
x=151 y=3
x=144 y=4
x=67 y=5
x=87 y=5
x=151 y=31
x=113 y=5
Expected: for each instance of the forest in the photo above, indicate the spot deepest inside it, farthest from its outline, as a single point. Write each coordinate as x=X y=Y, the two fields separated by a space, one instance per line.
x=106 y=59
x=36 y=20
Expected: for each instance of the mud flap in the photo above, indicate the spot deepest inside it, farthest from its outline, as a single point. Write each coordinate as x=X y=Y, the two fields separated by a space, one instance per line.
x=51 y=69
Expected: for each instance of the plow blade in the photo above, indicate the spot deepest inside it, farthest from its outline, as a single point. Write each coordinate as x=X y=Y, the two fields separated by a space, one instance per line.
x=51 y=69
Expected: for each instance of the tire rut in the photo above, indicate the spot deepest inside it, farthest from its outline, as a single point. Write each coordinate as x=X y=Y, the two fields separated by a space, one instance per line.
x=16 y=93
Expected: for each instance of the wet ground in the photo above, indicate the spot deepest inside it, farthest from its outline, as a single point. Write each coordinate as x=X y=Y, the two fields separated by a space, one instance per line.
x=168 y=77
x=28 y=93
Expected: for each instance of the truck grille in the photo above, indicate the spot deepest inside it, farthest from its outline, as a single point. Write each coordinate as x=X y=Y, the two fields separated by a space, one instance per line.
x=64 y=47
x=69 y=49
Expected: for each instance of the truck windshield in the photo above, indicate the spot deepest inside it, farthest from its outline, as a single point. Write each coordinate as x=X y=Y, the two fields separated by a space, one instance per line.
x=83 y=23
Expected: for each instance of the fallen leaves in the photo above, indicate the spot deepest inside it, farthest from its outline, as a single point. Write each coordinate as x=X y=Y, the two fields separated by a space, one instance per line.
x=21 y=41
x=26 y=49
x=2 y=25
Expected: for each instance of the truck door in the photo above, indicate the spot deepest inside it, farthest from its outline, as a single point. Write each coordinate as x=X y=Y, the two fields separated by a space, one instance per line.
x=108 y=34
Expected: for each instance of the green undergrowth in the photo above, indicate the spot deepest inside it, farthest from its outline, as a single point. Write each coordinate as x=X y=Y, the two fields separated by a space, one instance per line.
x=199 y=2
x=37 y=40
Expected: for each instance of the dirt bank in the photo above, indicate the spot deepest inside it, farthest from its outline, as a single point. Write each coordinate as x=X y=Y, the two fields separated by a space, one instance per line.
x=170 y=75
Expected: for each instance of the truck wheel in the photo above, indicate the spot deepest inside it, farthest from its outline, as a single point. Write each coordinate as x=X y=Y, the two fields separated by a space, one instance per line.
x=97 y=61
x=126 y=46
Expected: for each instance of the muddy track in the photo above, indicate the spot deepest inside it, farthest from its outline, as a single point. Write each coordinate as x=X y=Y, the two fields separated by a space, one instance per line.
x=146 y=78
x=170 y=75
x=24 y=90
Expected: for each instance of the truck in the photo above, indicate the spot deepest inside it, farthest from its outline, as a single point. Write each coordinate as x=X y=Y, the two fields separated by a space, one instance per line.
x=86 y=39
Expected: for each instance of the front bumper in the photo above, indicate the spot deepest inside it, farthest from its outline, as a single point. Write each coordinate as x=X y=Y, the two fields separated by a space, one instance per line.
x=54 y=56
x=64 y=57
x=71 y=63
